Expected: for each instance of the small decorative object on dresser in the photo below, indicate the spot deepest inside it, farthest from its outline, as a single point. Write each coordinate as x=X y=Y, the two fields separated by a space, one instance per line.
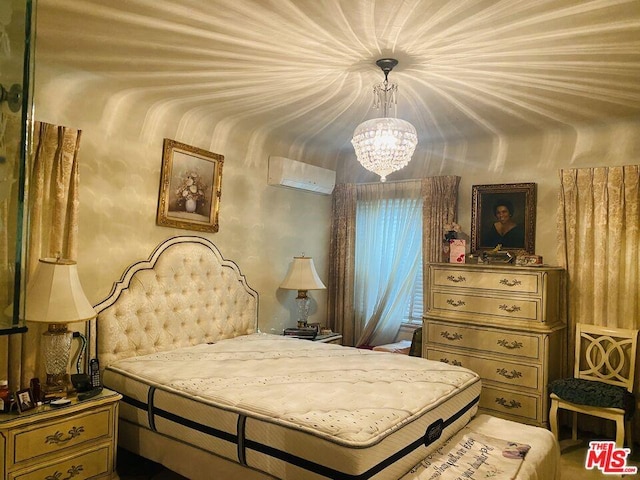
x=506 y=323
x=24 y=400
x=75 y=440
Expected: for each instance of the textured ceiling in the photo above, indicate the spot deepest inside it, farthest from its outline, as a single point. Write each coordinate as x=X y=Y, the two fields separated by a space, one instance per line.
x=304 y=69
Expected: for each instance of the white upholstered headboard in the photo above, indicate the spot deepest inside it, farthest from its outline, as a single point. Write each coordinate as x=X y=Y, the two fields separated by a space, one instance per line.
x=185 y=294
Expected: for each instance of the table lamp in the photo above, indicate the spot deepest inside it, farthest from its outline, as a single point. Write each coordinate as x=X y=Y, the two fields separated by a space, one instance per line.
x=302 y=276
x=55 y=296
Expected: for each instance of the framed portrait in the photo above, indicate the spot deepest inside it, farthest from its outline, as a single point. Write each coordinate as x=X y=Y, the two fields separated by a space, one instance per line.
x=190 y=187
x=504 y=215
x=24 y=399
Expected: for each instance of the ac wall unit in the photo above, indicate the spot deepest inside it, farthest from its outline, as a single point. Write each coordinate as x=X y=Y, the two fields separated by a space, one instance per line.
x=285 y=172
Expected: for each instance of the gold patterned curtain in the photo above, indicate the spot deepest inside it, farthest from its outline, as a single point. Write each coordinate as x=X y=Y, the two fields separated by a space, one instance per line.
x=342 y=263
x=599 y=245
x=53 y=228
x=440 y=204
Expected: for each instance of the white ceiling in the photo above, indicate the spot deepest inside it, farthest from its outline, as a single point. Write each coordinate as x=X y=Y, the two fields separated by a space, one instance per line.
x=304 y=69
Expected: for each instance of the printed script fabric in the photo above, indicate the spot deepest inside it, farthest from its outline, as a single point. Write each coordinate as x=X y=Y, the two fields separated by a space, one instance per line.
x=599 y=245
x=53 y=227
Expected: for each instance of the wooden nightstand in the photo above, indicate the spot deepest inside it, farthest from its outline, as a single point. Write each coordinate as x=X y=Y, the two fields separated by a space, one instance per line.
x=77 y=441
x=329 y=338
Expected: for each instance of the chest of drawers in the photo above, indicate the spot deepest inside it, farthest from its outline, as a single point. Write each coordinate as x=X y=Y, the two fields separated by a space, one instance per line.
x=506 y=323
x=77 y=441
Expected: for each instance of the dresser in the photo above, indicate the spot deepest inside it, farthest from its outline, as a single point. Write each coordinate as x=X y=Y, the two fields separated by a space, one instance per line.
x=506 y=323
x=76 y=441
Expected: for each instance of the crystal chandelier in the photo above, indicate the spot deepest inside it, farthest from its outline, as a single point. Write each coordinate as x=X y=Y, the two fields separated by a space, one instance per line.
x=384 y=145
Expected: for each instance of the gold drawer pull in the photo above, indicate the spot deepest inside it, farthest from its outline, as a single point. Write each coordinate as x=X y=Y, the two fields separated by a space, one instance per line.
x=457 y=279
x=510 y=309
x=511 y=346
x=510 y=375
x=511 y=404
x=455 y=303
x=73 y=471
x=451 y=336
x=57 y=439
x=452 y=362
x=512 y=283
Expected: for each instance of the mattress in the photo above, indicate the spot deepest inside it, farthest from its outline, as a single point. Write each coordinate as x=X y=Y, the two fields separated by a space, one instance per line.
x=298 y=409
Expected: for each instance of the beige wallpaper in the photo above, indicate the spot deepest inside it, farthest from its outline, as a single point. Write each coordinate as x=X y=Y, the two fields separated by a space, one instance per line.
x=263 y=227
x=523 y=158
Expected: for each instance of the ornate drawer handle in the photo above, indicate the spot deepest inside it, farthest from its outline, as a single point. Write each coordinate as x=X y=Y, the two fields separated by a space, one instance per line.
x=73 y=471
x=56 y=438
x=511 y=404
x=452 y=362
x=510 y=375
x=458 y=279
x=512 y=283
x=455 y=303
x=506 y=308
x=511 y=346
x=451 y=336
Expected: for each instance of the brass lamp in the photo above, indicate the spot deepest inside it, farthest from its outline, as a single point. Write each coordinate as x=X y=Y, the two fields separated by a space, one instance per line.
x=302 y=276
x=55 y=296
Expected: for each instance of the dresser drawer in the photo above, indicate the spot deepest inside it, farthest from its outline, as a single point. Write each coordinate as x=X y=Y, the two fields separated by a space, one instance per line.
x=55 y=436
x=510 y=403
x=498 y=342
x=500 y=371
x=473 y=305
x=84 y=465
x=514 y=282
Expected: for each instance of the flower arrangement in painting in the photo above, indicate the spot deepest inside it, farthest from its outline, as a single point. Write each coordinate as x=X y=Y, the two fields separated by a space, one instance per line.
x=451 y=231
x=191 y=191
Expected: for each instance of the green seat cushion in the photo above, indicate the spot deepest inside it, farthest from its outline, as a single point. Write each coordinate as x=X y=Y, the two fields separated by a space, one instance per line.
x=595 y=394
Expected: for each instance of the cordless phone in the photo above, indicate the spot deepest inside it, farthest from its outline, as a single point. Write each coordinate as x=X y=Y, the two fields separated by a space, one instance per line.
x=94 y=372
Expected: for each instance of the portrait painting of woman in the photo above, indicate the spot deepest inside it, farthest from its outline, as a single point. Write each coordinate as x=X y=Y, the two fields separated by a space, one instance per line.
x=503 y=215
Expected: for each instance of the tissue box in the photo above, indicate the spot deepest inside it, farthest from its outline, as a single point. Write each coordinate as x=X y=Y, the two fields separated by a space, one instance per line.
x=457 y=251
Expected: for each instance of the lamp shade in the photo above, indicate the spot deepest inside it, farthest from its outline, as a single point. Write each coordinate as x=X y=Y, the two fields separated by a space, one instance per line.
x=54 y=294
x=302 y=275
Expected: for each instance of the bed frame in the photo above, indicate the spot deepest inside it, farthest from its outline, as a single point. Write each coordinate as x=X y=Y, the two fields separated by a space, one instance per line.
x=131 y=322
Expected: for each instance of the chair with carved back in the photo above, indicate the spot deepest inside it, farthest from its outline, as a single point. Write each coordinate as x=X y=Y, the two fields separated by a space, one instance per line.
x=602 y=384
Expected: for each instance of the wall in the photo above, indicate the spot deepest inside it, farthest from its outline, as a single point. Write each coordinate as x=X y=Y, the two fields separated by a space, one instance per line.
x=261 y=227
x=519 y=158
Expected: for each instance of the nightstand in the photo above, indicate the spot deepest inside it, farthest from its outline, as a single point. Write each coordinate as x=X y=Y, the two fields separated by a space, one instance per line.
x=77 y=441
x=329 y=338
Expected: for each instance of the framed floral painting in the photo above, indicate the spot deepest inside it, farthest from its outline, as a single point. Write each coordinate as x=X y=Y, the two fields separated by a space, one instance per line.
x=190 y=187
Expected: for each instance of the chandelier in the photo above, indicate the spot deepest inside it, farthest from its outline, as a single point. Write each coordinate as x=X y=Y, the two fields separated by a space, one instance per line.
x=384 y=145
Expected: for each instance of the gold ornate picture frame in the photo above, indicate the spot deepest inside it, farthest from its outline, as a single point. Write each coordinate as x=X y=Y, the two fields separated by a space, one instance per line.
x=504 y=215
x=190 y=187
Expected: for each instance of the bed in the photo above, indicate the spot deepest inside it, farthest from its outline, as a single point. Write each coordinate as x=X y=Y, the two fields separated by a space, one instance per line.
x=208 y=395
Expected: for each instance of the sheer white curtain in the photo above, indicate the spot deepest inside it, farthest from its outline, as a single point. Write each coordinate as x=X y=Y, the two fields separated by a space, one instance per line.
x=387 y=259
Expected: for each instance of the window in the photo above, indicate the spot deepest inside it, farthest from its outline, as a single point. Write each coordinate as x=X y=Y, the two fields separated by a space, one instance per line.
x=388 y=260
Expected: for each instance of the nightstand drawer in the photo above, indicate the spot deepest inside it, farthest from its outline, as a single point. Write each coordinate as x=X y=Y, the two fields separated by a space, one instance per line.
x=478 y=305
x=509 y=403
x=89 y=464
x=512 y=282
x=30 y=442
x=512 y=374
x=493 y=341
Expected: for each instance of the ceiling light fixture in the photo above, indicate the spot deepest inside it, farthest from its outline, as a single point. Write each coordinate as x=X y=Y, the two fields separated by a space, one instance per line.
x=384 y=145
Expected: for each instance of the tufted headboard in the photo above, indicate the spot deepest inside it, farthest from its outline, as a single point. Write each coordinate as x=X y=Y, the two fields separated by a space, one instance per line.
x=186 y=293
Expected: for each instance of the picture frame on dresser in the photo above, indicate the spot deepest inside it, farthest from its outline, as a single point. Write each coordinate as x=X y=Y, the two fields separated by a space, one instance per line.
x=24 y=400
x=504 y=215
x=190 y=187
